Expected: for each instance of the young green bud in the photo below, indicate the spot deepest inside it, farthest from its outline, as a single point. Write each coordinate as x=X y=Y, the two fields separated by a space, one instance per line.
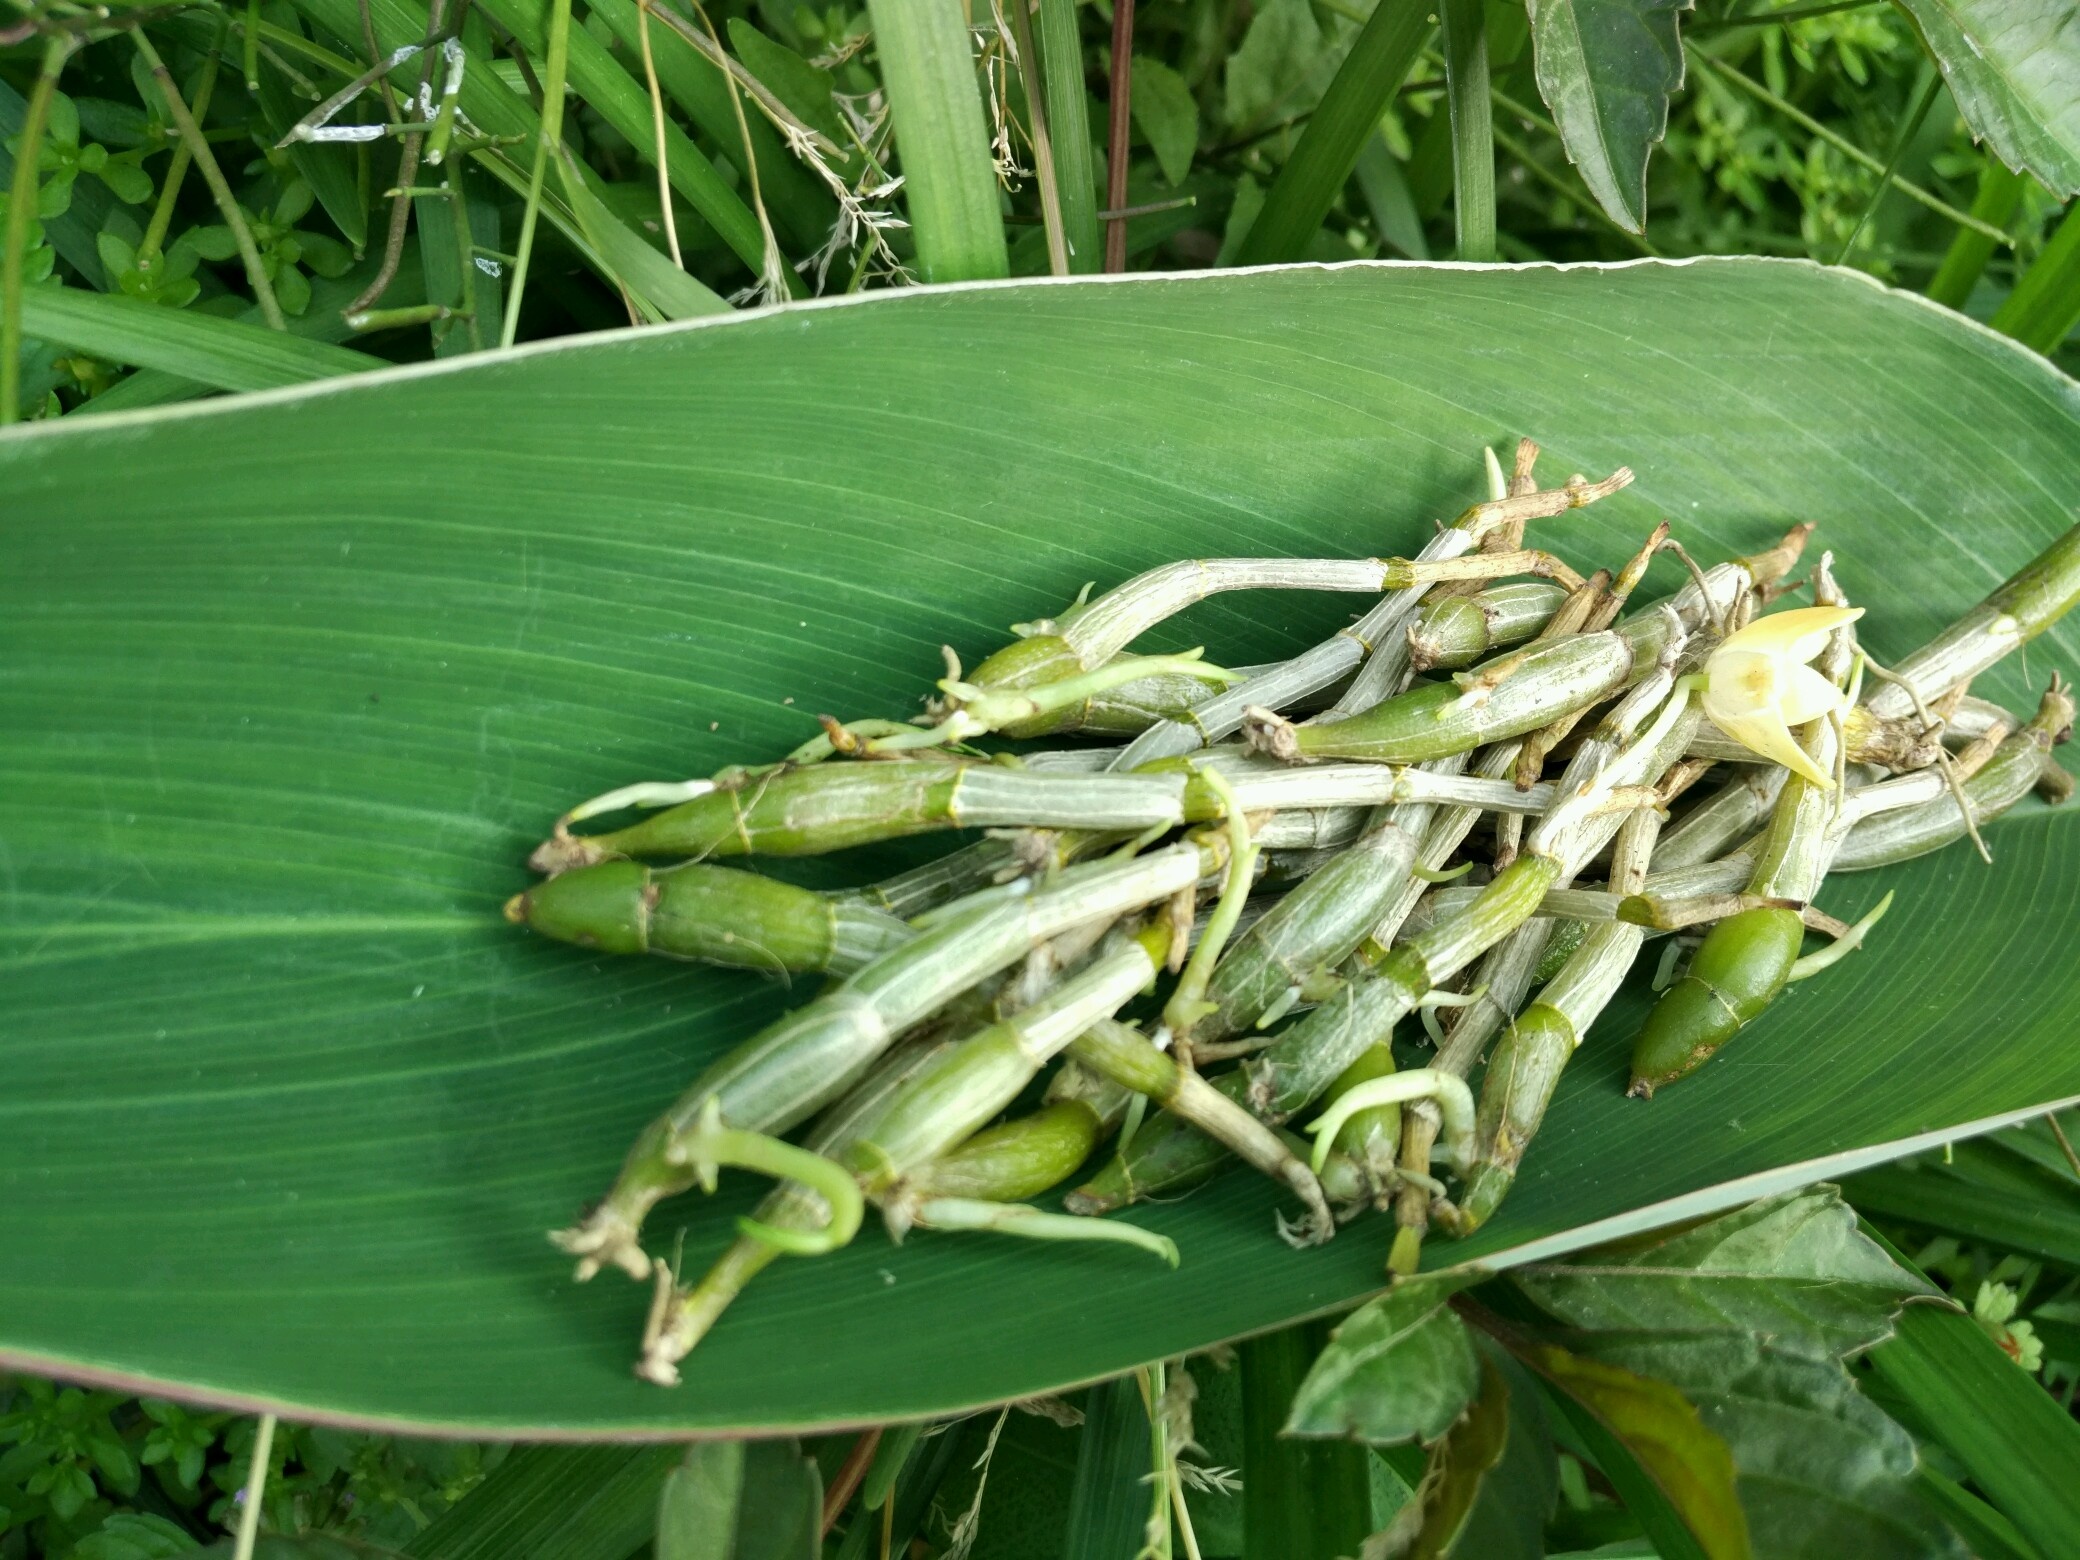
x=1744 y=962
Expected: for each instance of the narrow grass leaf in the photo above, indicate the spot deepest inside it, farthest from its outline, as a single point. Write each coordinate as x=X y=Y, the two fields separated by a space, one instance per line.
x=1401 y=1368
x=802 y=209
x=2014 y=69
x=662 y=291
x=2045 y=305
x=1058 y=40
x=224 y=354
x=322 y=321
x=942 y=140
x=1964 y=262
x=1109 y=1500
x=1302 y=1499
x=1988 y=1534
x=1371 y=73
x=555 y=1503
x=2026 y=1208
x=2018 y=1445
x=1607 y=69
x=1463 y=26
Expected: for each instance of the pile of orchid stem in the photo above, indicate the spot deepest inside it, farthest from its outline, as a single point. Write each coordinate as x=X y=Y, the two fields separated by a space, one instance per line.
x=1203 y=928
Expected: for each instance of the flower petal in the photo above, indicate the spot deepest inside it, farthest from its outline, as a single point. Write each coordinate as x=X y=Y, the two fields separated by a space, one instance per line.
x=1796 y=635
x=1772 y=739
x=1740 y=682
x=1803 y=695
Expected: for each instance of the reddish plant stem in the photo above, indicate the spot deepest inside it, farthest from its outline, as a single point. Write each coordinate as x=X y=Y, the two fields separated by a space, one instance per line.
x=847 y=1479
x=1116 y=143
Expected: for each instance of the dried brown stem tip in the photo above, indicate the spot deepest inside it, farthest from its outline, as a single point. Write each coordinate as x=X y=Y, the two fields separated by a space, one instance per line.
x=1268 y=732
x=562 y=851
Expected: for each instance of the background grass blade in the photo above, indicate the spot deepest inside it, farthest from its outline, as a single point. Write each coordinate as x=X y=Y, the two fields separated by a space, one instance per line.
x=1378 y=62
x=1964 y=262
x=555 y=1503
x=1059 y=42
x=297 y=681
x=2012 y=66
x=320 y=322
x=1109 y=1500
x=942 y=141
x=2018 y=1445
x=223 y=354
x=1302 y=1499
x=2045 y=305
x=1984 y=1192
x=801 y=208
x=1463 y=29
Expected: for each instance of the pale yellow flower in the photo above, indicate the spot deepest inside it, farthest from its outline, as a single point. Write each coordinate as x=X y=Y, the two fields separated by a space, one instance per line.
x=1758 y=685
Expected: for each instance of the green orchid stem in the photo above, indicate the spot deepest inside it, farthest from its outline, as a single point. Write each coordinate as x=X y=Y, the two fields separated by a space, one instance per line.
x=1841 y=947
x=968 y=1213
x=206 y=160
x=21 y=210
x=154 y=240
x=1188 y=1003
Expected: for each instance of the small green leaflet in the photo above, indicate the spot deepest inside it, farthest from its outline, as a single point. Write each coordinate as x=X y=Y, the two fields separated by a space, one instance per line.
x=1607 y=69
x=1402 y=1368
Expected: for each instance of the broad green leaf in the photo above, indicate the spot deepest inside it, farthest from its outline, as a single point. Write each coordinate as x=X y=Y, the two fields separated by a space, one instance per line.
x=225 y=354
x=1691 y=1466
x=1794 y=1268
x=942 y=141
x=1401 y=1368
x=1273 y=59
x=1607 y=69
x=1302 y=1499
x=295 y=682
x=1465 y=1461
x=2014 y=68
x=1822 y=1473
x=1168 y=115
x=130 y=1535
x=697 y=1509
x=2018 y=1444
x=1516 y=1499
x=555 y=1503
x=780 y=1513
